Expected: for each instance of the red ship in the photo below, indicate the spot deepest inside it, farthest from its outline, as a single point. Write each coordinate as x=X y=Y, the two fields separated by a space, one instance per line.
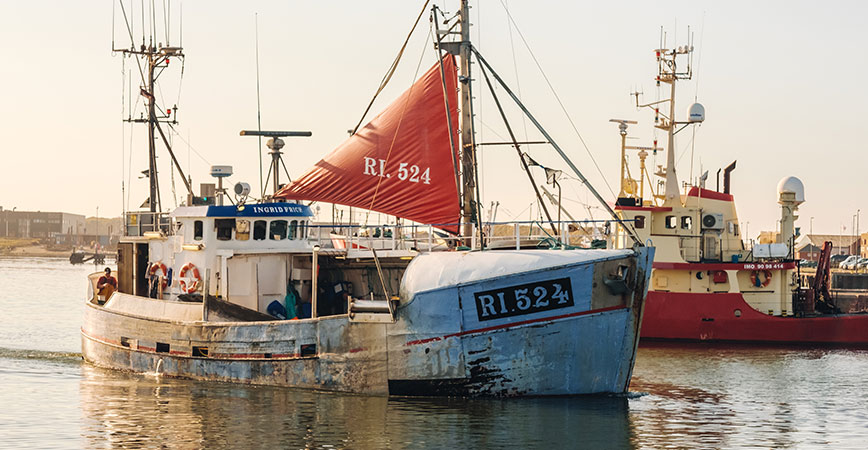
x=706 y=286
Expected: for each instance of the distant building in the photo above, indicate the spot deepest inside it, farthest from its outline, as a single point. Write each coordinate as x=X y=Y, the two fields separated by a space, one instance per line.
x=38 y=224
x=809 y=246
x=863 y=245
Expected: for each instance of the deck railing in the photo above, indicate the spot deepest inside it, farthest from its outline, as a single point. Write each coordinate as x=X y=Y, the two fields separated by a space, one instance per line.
x=503 y=235
x=137 y=223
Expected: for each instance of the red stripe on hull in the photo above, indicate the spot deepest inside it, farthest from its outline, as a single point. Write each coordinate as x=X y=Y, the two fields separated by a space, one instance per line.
x=711 y=317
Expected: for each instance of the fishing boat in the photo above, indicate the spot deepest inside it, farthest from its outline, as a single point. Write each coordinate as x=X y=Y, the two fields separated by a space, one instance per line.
x=259 y=292
x=706 y=285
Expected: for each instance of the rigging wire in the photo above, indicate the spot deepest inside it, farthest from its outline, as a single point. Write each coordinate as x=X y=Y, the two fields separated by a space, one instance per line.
x=480 y=173
x=132 y=40
x=176 y=133
x=515 y=69
x=696 y=91
x=131 y=109
x=557 y=97
x=392 y=68
x=123 y=106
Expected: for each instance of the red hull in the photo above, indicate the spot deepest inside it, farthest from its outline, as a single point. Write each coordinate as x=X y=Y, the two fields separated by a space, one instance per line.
x=711 y=317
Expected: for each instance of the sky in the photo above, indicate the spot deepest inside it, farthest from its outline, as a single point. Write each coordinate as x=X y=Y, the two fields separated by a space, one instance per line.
x=783 y=84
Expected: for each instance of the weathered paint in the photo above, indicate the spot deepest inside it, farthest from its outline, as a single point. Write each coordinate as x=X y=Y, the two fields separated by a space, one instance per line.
x=437 y=346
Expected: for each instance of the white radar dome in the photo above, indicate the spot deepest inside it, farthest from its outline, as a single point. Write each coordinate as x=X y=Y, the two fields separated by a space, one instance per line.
x=792 y=185
x=696 y=114
x=221 y=171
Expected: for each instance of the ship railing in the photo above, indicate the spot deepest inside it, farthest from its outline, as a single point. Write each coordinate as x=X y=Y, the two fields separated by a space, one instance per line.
x=137 y=223
x=428 y=238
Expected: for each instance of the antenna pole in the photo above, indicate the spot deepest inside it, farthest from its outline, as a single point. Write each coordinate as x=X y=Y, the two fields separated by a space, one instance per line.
x=258 y=109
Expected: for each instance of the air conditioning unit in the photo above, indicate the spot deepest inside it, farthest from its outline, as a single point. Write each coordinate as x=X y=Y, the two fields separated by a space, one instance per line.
x=712 y=221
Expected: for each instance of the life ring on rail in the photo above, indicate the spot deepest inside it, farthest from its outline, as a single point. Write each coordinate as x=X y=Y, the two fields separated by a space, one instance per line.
x=756 y=281
x=194 y=282
x=153 y=272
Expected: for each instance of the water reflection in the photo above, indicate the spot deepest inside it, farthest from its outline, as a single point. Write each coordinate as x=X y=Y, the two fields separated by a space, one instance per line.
x=133 y=411
x=716 y=396
x=696 y=396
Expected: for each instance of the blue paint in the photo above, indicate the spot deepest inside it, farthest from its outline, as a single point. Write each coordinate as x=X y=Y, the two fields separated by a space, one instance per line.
x=263 y=210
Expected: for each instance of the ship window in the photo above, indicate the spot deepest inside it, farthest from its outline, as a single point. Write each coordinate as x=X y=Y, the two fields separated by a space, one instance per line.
x=242 y=230
x=197 y=230
x=224 y=228
x=301 y=230
x=293 y=229
x=733 y=228
x=259 y=229
x=162 y=347
x=639 y=222
x=671 y=222
x=686 y=222
x=200 y=352
x=278 y=230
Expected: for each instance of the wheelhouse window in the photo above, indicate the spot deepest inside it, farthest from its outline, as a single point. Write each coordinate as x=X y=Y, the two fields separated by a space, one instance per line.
x=242 y=230
x=293 y=229
x=301 y=229
x=671 y=222
x=639 y=222
x=278 y=230
x=260 y=227
x=197 y=230
x=686 y=222
x=224 y=228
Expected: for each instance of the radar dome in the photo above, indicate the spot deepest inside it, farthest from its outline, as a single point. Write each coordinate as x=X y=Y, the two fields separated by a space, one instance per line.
x=696 y=114
x=792 y=185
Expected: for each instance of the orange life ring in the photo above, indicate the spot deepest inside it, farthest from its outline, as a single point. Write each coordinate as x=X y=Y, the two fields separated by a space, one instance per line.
x=153 y=271
x=761 y=283
x=194 y=283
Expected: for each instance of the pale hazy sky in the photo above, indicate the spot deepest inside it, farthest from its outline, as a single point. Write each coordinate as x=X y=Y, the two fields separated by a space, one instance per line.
x=784 y=85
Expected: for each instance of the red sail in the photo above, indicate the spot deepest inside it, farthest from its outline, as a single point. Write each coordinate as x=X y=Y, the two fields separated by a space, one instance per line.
x=399 y=163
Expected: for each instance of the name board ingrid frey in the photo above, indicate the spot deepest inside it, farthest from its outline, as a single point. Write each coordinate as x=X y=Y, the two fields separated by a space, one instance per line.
x=266 y=210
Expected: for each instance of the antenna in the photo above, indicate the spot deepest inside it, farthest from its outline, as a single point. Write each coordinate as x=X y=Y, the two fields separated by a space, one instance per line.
x=156 y=60
x=258 y=108
x=276 y=144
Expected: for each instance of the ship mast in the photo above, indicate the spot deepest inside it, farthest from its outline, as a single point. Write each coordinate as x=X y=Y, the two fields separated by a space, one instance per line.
x=468 y=147
x=156 y=58
x=668 y=73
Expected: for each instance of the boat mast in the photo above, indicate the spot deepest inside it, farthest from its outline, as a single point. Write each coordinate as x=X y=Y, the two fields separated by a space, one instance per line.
x=468 y=147
x=152 y=147
x=668 y=73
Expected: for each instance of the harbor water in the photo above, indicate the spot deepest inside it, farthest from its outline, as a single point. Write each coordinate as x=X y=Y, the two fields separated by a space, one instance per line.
x=682 y=396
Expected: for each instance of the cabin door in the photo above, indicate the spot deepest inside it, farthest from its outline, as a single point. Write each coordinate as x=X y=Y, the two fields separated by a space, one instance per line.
x=711 y=248
x=140 y=278
x=271 y=280
x=256 y=281
x=125 y=267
